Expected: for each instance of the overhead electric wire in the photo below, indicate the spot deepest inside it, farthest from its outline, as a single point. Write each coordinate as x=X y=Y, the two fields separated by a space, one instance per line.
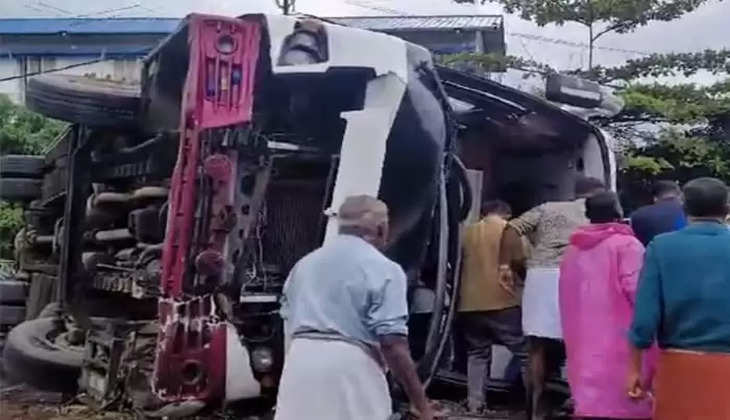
x=376 y=8
x=81 y=22
x=28 y=6
x=101 y=58
x=72 y=15
x=91 y=15
x=566 y=42
x=70 y=66
x=101 y=12
x=52 y=7
x=540 y=38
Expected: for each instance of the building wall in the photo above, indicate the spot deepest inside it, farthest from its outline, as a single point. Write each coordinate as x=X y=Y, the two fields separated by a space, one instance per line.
x=456 y=41
x=122 y=69
x=442 y=42
x=459 y=41
x=11 y=88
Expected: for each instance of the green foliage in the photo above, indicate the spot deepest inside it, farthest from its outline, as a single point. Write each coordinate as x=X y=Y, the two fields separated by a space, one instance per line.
x=675 y=155
x=23 y=131
x=657 y=65
x=647 y=165
x=698 y=143
x=599 y=16
x=11 y=221
x=486 y=63
x=687 y=155
x=684 y=103
x=697 y=140
x=620 y=15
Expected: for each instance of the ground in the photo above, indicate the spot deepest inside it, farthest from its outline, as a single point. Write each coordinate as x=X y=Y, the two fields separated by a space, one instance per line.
x=18 y=402
x=21 y=402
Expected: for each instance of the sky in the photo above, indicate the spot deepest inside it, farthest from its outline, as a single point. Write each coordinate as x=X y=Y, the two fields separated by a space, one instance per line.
x=707 y=27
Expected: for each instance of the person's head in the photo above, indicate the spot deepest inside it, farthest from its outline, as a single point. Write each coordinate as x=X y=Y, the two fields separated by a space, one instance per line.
x=496 y=208
x=366 y=217
x=603 y=207
x=586 y=186
x=665 y=190
x=706 y=198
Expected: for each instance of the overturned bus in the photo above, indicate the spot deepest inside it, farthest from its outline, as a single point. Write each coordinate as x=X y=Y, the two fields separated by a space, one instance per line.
x=168 y=215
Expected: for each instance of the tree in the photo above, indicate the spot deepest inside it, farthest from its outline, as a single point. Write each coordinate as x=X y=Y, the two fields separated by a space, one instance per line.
x=286 y=6
x=11 y=221
x=657 y=65
x=23 y=131
x=675 y=132
x=678 y=104
x=674 y=155
x=664 y=131
x=599 y=16
x=482 y=63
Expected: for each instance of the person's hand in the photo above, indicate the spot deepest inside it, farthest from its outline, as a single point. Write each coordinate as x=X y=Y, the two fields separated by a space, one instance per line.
x=429 y=412
x=633 y=386
x=507 y=278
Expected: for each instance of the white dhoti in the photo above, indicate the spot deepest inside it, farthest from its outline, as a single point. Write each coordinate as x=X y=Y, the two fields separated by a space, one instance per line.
x=540 y=305
x=331 y=380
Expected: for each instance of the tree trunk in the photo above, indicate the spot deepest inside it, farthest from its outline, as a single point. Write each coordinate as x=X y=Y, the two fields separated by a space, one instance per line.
x=590 y=47
x=286 y=6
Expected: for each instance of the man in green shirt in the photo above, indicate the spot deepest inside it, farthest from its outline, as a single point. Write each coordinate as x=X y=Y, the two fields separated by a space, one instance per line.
x=683 y=303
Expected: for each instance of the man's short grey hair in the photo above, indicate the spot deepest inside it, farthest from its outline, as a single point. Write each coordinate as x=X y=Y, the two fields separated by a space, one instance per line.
x=362 y=214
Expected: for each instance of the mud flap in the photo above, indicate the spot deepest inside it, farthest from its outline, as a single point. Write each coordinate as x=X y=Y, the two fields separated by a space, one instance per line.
x=191 y=352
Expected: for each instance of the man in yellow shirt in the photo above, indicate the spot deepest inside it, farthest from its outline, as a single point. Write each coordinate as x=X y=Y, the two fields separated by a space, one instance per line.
x=489 y=312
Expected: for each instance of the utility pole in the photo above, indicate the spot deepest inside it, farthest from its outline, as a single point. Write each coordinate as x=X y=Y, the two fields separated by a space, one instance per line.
x=286 y=6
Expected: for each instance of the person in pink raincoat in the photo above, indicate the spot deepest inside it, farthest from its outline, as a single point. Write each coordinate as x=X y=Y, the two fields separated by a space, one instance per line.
x=598 y=280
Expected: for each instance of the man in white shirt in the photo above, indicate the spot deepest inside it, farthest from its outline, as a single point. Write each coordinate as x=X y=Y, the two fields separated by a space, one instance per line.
x=345 y=309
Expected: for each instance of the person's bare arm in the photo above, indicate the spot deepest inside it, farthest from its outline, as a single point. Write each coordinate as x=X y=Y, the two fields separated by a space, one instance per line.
x=387 y=318
x=511 y=258
x=398 y=357
x=634 y=387
x=647 y=318
x=506 y=245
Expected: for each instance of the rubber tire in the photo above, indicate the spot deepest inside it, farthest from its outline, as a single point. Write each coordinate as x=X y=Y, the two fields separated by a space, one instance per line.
x=32 y=359
x=13 y=291
x=25 y=166
x=41 y=301
x=94 y=102
x=20 y=189
x=54 y=183
x=459 y=171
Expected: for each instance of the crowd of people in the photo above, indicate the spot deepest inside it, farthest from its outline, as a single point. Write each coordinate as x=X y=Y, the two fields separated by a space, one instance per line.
x=637 y=307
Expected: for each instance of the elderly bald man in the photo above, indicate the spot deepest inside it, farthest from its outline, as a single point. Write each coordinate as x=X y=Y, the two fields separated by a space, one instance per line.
x=344 y=306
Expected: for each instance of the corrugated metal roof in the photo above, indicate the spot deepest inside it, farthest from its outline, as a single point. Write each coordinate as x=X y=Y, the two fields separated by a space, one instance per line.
x=402 y=23
x=88 y=26
x=167 y=25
